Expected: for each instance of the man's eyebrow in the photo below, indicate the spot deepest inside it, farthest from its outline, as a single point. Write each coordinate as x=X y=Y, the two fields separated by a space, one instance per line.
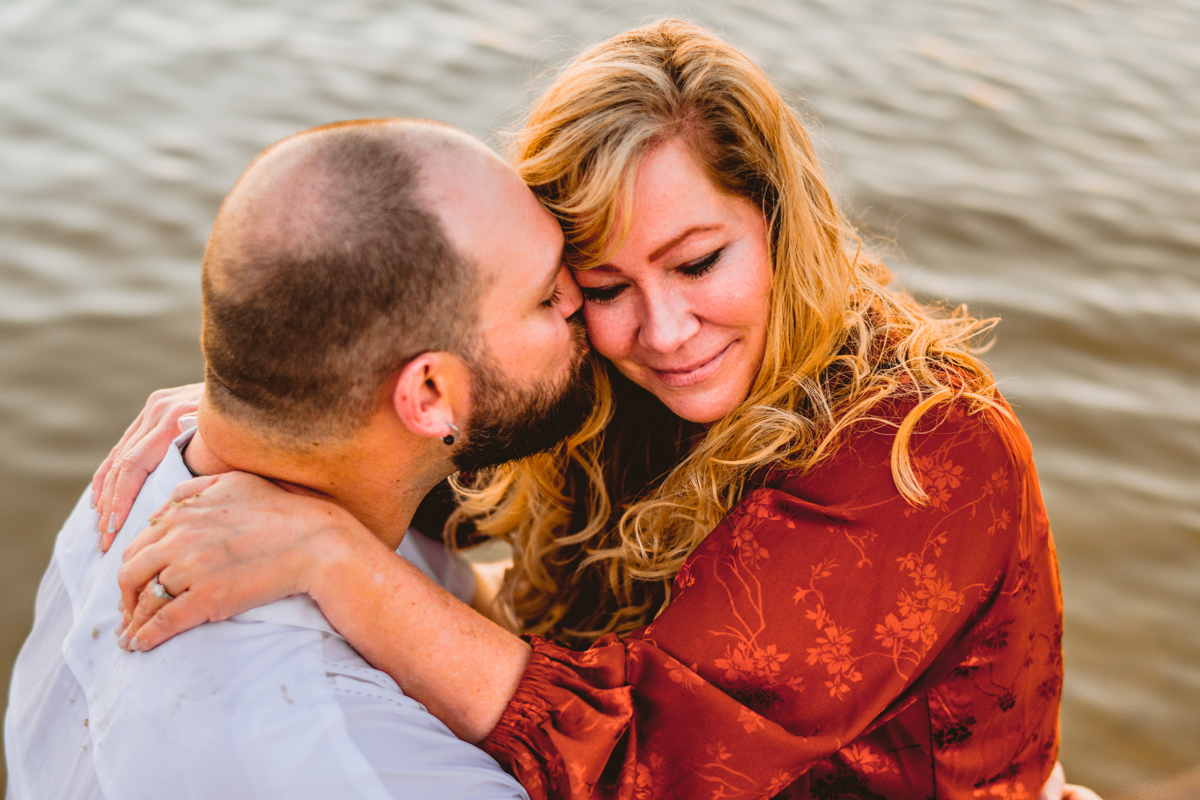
x=668 y=246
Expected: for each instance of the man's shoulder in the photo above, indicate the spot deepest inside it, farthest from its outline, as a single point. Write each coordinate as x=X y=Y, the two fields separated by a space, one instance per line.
x=255 y=697
x=251 y=696
x=272 y=703
x=274 y=696
x=286 y=708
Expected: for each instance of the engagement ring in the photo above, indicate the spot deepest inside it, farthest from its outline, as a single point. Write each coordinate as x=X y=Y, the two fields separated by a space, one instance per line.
x=160 y=591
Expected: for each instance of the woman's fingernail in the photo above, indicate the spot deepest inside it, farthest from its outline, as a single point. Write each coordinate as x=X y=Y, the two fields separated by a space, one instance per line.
x=134 y=645
x=121 y=605
x=112 y=523
x=123 y=641
x=92 y=501
x=100 y=543
x=96 y=524
x=119 y=629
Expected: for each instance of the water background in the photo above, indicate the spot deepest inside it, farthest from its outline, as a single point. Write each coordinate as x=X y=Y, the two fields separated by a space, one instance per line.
x=1036 y=159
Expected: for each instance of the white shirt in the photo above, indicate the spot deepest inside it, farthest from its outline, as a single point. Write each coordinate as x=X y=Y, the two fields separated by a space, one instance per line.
x=270 y=704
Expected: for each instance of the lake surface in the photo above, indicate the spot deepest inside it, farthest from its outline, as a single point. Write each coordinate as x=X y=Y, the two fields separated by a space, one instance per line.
x=1038 y=160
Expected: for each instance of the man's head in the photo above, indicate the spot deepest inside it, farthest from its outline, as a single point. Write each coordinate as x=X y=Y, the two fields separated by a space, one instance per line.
x=353 y=255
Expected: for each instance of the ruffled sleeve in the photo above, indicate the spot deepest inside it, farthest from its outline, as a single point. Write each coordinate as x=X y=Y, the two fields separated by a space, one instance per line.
x=564 y=723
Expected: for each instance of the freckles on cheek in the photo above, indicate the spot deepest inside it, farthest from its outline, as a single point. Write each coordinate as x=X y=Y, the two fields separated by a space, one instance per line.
x=742 y=302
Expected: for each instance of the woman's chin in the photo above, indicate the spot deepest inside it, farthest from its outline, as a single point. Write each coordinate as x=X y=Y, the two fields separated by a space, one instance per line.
x=703 y=403
x=700 y=407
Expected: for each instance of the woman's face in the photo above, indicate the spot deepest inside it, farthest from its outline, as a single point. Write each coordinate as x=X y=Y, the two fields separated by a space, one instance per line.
x=681 y=309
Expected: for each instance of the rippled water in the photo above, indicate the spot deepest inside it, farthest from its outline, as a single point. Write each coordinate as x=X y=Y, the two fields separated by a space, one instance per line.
x=1038 y=160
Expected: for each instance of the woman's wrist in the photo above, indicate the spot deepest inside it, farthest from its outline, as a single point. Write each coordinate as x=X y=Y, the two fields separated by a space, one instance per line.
x=338 y=554
x=463 y=667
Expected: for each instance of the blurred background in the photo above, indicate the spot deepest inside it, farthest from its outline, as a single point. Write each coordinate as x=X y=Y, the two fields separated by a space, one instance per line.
x=1036 y=159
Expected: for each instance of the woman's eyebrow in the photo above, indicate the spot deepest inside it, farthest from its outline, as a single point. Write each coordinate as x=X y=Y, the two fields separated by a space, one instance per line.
x=665 y=248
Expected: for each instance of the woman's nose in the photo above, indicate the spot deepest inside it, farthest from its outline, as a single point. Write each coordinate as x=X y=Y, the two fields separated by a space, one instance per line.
x=667 y=322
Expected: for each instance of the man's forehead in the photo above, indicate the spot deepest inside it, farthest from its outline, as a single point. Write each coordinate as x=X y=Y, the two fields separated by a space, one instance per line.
x=494 y=221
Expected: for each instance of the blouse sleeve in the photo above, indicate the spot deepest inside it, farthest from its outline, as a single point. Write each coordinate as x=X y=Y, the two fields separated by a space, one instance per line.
x=812 y=614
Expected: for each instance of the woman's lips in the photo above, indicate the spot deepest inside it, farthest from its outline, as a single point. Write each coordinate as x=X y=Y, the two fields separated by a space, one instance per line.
x=691 y=375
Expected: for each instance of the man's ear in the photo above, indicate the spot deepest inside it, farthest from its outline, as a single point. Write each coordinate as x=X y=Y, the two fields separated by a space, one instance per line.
x=431 y=394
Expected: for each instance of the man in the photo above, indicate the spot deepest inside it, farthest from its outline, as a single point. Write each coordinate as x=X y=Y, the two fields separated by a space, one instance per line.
x=384 y=304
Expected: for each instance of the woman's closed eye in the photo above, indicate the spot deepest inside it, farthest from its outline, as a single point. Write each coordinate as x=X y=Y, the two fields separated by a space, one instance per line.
x=602 y=294
x=555 y=296
x=701 y=266
x=691 y=269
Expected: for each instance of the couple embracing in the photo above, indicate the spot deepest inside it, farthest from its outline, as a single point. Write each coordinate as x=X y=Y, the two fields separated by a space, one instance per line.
x=774 y=530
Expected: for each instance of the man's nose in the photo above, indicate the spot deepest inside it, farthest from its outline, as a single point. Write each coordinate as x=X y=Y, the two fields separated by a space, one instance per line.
x=571 y=297
x=667 y=322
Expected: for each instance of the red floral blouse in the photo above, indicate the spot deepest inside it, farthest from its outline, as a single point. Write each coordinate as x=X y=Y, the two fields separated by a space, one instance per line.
x=827 y=640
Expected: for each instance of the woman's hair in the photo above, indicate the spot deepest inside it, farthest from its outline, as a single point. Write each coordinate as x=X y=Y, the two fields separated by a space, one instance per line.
x=600 y=526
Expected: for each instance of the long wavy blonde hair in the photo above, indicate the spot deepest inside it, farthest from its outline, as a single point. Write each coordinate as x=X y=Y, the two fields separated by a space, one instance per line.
x=600 y=526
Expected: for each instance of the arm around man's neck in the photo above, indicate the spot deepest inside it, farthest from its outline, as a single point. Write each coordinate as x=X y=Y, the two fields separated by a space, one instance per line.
x=461 y=666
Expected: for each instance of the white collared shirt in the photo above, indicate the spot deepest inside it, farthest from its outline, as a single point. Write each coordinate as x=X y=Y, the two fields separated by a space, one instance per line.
x=272 y=703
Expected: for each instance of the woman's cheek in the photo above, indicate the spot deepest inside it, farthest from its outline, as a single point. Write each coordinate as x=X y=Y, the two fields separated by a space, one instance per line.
x=741 y=299
x=608 y=329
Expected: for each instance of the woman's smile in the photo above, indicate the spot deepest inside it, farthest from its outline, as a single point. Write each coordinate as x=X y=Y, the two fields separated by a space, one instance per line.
x=697 y=372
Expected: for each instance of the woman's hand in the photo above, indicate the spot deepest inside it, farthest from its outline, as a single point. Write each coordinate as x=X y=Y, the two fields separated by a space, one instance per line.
x=116 y=484
x=224 y=544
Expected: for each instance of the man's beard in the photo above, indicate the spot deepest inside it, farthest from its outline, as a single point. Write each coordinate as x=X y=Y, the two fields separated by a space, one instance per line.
x=509 y=422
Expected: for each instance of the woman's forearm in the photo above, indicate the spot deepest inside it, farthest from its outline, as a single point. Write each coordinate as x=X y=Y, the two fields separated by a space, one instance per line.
x=461 y=666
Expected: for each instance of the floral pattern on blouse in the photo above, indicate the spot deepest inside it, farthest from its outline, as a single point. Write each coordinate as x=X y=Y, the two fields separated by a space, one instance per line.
x=828 y=640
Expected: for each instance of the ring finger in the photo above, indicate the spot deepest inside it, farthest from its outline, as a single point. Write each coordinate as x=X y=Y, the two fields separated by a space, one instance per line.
x=148 y=604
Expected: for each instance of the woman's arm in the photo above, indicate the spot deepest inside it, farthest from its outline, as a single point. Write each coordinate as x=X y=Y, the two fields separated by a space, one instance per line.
x=463 y=667
x=227 y=543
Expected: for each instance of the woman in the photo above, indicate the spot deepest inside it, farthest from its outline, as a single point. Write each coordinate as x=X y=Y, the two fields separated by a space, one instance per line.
x=801 y=537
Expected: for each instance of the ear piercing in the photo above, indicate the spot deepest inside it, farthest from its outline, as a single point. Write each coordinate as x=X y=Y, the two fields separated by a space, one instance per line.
x=454 y=434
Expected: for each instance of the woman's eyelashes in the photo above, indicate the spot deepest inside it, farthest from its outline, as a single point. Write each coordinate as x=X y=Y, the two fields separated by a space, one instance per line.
x=554 y=297
x=694 y=269
x=602 y=294
x=691 y=269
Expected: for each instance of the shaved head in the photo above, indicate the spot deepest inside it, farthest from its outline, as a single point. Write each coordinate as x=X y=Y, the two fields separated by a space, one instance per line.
x=328 y=269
